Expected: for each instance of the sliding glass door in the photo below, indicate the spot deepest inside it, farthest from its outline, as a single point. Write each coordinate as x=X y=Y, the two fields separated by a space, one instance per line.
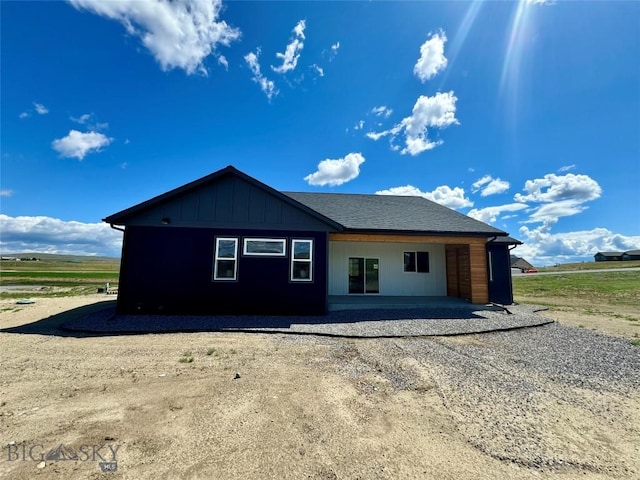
x=364 y=275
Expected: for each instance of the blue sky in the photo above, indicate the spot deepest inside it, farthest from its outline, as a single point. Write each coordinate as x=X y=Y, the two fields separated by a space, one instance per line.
x=525 y=115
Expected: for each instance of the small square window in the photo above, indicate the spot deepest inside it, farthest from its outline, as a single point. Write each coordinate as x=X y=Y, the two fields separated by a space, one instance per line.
x=416 y=262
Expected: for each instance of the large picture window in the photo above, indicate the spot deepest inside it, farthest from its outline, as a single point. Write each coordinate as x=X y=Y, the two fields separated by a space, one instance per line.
x=301 y=260
x=266 y=247
x=226 y=259
x=416 y=262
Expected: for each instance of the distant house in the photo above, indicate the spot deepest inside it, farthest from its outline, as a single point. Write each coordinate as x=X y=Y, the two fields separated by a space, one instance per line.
x=608 y=256
x=631 y=255
x=227 y=243
x=520 y=263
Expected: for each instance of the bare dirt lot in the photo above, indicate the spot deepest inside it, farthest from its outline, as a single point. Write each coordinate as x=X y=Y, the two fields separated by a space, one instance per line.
x=548 y=402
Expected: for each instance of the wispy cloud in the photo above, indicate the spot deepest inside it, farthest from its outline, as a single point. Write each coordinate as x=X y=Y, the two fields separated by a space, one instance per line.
x=491 y=214
x=432 y=59
x=333 y=172
x=292 y=51
x=490 y=186
x=78 y=144
x=40 y=109
x=178 y=34
x=566 y=168
x=382 y=111
x=6 y=193
x=266 y=85
x=444 y=195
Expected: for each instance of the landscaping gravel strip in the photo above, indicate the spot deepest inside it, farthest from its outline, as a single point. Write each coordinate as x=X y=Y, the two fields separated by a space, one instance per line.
x=347 y=323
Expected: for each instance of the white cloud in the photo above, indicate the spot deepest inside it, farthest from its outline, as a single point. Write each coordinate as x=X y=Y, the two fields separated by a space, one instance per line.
x=542 y=247
x=438 y=111
x=298 y=30
x=52 y=235
x=77 y=144
x=82 y=119
x=555 y=188
x=444 y=195
x=178 y=34
x=550 y=212
x=222 y=60
x=292 y=52
x=336 y=172
x=359 y=125
x=566 y=168
x=24 y=115
x=491 y=214
x=318 y=69
x=490 y=186
x=6 y=193
x=382 y=111
x=432 y=59
x=40 y=109
x=266 y=85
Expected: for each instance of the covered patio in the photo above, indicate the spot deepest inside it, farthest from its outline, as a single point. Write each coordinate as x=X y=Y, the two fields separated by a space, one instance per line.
x=366 y=302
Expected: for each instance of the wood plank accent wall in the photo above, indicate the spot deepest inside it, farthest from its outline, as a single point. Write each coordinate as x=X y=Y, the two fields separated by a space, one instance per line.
x=478 y=268
x=467 y=272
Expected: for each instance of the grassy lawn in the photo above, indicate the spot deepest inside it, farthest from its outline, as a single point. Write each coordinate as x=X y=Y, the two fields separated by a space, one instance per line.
x=617 y=288
x=58 y=275
x=590 y=266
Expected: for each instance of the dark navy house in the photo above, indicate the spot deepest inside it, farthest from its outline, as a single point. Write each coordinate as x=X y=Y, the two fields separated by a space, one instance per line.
x=229 y=244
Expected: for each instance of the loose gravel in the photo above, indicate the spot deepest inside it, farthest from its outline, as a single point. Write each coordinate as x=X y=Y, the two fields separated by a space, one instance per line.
x=347 y=323
x=524 y=396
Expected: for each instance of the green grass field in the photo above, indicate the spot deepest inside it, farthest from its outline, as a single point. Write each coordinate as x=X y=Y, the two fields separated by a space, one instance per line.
x=590 y=266
x=617 y=288
x=58 y=275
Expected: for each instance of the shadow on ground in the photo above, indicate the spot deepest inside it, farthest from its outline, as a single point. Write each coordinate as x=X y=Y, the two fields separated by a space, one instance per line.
x=53 y=325
x=101 y=320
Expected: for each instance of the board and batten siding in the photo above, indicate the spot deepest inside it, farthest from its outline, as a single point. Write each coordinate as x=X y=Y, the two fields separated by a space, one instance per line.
x=228 y=202
x=394 y=281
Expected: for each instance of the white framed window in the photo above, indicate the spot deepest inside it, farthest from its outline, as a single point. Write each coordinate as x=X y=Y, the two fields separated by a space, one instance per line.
x=225 y=265
x=301 y=260
x=266 y=247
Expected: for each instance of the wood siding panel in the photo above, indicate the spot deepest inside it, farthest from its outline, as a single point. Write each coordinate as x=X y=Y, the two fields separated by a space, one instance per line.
x=478 y=270
x=452 y=272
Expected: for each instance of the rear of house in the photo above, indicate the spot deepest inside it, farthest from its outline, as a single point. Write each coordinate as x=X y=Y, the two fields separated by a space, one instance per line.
x=228 y=243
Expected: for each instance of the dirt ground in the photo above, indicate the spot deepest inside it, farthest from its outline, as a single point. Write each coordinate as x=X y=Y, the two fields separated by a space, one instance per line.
x=618 y=320
x=301 y=408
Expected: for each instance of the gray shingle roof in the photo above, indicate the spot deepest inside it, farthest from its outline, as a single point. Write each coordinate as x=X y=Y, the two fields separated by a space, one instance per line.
x=392 y=213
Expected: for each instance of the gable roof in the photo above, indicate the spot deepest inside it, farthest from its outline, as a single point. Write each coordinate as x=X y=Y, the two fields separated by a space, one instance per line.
x=507 y=240
x=356 y=212
x=123 y=216
x=393 y=213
